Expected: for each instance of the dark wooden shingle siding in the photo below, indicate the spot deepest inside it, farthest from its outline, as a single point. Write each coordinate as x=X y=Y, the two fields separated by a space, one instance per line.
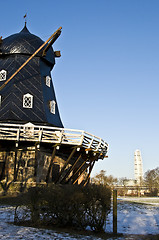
x=31 y=79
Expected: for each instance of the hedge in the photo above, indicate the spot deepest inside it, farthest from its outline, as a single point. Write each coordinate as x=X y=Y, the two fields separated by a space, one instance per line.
x=65 y=206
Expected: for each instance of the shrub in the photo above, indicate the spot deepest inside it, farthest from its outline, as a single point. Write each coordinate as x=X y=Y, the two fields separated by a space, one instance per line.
x=67 y=205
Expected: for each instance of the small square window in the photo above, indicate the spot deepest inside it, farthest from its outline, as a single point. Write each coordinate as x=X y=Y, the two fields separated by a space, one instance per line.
x=48 y=80
x=27 y=101
x=52 y=106
x=3 y=75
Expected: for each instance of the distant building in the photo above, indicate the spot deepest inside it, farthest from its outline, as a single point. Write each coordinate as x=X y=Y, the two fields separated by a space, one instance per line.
x=129 y=182
x=138 y=167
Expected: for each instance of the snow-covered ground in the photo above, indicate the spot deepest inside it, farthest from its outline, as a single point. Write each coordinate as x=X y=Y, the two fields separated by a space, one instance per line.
x=132 y=219
x=10 y=231
x=146 y=200
x=136 y=218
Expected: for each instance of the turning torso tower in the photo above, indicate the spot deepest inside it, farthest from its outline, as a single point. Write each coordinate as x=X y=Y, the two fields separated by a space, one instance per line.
x=138 y=166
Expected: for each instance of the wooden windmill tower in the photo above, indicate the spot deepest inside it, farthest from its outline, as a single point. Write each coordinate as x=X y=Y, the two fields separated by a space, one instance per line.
x=34 y=145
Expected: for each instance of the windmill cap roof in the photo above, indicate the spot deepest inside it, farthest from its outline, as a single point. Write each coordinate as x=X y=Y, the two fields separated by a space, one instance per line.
x=26 y=43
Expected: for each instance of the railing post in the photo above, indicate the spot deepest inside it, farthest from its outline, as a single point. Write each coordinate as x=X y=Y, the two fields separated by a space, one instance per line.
x=82 y=138
x=40 y=135
x=115 y=211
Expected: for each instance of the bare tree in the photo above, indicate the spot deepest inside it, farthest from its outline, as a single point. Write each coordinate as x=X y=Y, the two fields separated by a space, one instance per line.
x=152 y=180
x=102 y=179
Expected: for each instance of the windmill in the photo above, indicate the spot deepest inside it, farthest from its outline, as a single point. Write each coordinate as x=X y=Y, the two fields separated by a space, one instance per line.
x=34 y=145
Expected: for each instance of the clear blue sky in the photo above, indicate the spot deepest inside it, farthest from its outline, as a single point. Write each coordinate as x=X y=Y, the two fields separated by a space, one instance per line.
x=107 y=80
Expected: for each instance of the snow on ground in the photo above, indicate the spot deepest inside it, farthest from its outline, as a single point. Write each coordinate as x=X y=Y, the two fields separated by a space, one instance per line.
x=146 y=200
x=12 y=232
x=132 y=219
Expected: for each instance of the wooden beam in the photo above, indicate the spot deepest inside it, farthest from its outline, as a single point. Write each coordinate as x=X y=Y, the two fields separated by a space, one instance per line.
x=57 y=54
x=55 y=37
x=90 y=170
x=51 y=162
x=93 y=160
x=66 y=163
x=37 y=146
x=2 y=176
x=17 y=167
x=78 y=169
x=15 y=162
x=71 y=169
x=81 y=173
x=88 y=149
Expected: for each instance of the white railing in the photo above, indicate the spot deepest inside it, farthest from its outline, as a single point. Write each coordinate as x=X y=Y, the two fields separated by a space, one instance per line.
x=38 y=133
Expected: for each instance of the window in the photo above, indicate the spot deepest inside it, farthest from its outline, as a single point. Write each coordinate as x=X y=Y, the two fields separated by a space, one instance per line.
x=3 y=75
x=52 y=106
x=48 y=79
x=27 y=101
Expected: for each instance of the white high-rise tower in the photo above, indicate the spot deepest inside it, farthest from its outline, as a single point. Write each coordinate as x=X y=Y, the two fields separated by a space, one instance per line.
x=138 y=166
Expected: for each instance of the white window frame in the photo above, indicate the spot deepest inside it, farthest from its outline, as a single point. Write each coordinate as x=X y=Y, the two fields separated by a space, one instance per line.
x=3 y=75
x=48 y=81
x=52 y=106
x=27 y=100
